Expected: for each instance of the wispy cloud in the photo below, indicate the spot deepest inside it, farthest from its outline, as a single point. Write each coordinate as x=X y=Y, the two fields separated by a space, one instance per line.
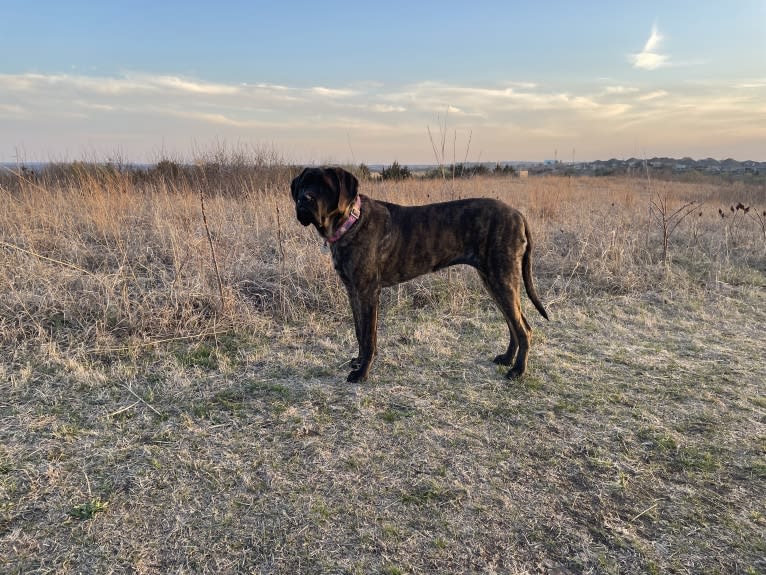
x=333 y=92
x=653 y=95
x=478 y=101
x=11 y=110
x=210 y=118
x=192 y=87
x=650 y=57
x=387 y=108
x=135 y=110
x=753 y=84
x=621 y=90
x=131 y=84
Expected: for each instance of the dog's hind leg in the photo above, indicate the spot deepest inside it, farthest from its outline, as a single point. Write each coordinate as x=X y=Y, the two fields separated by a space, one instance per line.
x=507 y=357
x=505 y=292
x=518 y=323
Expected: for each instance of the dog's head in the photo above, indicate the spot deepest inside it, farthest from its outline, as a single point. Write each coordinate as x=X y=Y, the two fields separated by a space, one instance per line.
x=323 y=197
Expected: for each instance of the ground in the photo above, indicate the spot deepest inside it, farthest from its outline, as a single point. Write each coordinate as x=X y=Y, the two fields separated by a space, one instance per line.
x=152 y=421
x=637 y=443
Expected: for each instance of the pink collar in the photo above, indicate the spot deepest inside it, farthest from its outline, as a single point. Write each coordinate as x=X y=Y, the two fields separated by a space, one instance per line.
x=352 y=218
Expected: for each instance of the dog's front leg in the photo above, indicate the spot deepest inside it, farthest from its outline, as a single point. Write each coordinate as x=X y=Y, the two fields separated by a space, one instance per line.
x=354 y=362
x=365 y=308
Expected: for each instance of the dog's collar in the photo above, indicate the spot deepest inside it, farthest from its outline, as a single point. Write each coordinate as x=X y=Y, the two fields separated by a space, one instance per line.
x=352 y=218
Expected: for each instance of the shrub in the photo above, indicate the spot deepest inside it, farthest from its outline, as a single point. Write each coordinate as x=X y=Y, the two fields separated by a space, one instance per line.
x=396 y=172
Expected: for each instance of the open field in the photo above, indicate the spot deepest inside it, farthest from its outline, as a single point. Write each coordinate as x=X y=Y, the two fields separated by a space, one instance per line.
x=152 y=421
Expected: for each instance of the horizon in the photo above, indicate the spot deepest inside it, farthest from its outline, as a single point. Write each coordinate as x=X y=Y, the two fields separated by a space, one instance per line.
x=418 y=84
x=371 y=165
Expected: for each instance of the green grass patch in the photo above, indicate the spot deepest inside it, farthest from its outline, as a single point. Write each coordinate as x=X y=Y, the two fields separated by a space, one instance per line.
x=87 y=510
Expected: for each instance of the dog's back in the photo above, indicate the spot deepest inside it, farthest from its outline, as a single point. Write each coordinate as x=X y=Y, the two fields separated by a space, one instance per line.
x=434 y=236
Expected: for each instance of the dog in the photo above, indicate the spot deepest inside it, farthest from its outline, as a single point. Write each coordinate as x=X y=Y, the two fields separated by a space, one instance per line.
x=378 y=244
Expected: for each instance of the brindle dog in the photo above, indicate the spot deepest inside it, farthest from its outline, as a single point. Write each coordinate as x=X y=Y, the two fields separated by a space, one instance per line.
x=378 y=244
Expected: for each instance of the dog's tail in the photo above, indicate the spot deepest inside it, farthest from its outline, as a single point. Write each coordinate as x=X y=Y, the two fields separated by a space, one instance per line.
x=526 y=270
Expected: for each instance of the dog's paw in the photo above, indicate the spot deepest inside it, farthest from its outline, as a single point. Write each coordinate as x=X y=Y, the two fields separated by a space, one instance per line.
x=503 y=359
x=356 y=376
x=515 y=373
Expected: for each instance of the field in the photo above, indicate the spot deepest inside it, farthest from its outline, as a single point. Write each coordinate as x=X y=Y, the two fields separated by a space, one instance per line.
x=173 y=396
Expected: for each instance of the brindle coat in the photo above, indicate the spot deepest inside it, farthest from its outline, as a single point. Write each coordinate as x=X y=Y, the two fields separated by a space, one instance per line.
x=390 y=244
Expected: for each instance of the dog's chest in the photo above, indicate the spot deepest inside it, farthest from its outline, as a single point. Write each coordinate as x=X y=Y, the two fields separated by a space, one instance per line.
x=337 y=262
x=336 y=258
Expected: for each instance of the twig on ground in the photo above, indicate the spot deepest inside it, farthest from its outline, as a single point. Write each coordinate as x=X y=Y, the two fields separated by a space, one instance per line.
x=139 y=398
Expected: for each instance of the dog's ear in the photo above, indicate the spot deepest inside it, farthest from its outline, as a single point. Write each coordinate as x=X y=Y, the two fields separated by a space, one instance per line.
x=296 y=183
x=348 y=188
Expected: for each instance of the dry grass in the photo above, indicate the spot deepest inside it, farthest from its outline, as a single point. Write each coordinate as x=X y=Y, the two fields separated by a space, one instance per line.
x=147 y=428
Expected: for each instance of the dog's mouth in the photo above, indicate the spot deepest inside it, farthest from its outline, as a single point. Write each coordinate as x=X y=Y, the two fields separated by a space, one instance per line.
x=305 y=217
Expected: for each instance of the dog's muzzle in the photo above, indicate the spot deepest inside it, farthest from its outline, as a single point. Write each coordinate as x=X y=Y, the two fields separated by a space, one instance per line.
x=305 y=217
x=303 y=212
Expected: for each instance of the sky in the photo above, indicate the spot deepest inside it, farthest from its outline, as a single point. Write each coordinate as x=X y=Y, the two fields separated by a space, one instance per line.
x=352 y=82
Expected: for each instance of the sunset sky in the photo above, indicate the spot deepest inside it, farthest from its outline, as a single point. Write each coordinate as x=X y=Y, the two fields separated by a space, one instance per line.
x=351 y=82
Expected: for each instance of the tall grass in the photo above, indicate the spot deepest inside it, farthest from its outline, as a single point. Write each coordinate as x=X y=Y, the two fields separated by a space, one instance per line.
x=147 y=427
x=95 y=256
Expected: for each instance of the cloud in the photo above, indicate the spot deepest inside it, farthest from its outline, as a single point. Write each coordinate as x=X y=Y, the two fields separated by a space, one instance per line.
x=210 y=118
x=650 y=58
x=477 y=101
x=54 y=112
x=387 y=108
x=653 y=95
x=753 y=84
x=178 y=84
x=620 y=90
x=133 y=83
x=472 y=104
x=11 y=110
x=333 y=92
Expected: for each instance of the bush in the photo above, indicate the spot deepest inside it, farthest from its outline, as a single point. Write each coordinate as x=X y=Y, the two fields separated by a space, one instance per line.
x=396 y=172
x=468 y=171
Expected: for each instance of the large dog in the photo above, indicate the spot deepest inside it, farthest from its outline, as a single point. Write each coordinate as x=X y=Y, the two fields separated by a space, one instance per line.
x=377 y=244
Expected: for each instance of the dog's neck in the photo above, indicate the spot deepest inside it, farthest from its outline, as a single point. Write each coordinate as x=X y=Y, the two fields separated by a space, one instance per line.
x=350 y=220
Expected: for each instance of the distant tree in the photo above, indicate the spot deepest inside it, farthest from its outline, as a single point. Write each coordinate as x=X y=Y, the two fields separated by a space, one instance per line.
x=506 y=170
x=167 y=169
x=468 y=171
x=396 y=172
x=478 y=170
x=363 y=172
